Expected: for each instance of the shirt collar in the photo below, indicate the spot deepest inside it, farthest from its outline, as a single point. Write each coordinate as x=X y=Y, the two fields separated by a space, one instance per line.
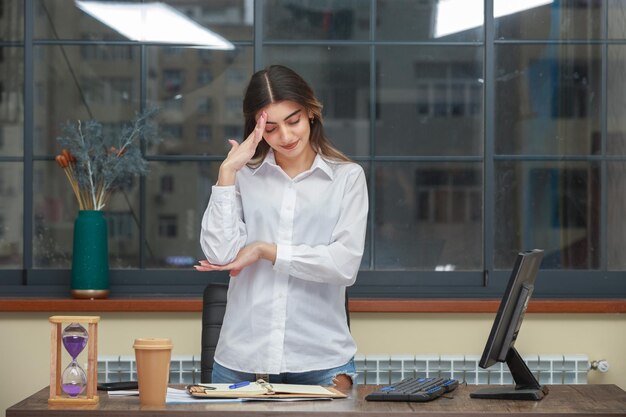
x=319 y=163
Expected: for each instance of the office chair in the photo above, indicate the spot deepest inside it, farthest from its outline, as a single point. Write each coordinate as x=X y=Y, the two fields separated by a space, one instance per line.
x=213 y=310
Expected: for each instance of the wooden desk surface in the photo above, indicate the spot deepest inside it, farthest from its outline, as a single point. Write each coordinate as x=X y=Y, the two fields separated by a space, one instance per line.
x=563 y=400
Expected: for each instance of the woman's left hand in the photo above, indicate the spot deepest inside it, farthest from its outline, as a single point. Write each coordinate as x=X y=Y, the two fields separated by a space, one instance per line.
x=247 y=256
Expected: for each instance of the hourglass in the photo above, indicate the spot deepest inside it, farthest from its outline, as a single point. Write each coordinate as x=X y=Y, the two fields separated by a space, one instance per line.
x=68 y=386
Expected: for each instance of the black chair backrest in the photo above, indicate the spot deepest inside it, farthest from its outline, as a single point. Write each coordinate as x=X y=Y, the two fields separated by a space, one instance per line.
x=213 y=309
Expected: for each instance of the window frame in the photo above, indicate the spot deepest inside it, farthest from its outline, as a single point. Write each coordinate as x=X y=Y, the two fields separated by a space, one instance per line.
x=371 y=284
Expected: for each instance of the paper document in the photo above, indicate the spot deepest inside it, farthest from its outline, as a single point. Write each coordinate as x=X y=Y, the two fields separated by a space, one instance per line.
x=180 y=396
x=123 y=393
x=175 y=396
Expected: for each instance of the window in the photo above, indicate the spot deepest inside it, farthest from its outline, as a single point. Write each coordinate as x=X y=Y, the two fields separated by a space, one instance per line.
x=204 y=133
x=235 y=132
x=115 y=90
x=172 y=81
x=168 y=226
x=448 y=196
x=167 y=184
x=477 y=142
x=172 y=131
x=205 y=55
x=235 y=76
x=233 y=106
x=204 y=76
x=204 y=105
x=120 y=225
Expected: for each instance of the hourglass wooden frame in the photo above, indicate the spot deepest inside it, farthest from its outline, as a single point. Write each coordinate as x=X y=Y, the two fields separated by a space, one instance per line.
x=56 y=350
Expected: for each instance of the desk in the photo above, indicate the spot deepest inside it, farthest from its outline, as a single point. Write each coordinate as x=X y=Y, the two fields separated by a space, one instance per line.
x=569 y=400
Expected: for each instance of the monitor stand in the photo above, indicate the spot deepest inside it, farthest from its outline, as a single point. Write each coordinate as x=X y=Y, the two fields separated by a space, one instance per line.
x=526 y=385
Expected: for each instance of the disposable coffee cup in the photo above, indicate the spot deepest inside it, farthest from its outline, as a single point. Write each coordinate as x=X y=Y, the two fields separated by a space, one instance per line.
x=153 y=368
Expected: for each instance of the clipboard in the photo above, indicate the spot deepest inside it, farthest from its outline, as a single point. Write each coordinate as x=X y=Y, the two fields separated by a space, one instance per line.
x=264 y=390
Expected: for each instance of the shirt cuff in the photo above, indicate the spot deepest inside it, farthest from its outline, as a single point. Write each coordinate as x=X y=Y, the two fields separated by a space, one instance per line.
x=222 y=193
x=283 y=258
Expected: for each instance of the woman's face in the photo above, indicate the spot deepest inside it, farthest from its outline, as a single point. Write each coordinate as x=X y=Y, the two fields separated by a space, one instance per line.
x=287 y=130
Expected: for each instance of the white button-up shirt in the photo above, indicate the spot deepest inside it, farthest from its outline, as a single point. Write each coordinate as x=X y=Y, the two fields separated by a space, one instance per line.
x=290 y=316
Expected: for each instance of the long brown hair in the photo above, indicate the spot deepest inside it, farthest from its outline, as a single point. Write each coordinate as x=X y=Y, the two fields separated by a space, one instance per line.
x=279 y=83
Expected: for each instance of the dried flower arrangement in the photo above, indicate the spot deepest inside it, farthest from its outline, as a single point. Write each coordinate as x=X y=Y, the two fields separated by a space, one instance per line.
x=96 y=165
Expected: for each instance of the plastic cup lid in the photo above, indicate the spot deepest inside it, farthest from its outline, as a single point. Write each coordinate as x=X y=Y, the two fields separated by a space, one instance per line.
x=152 y=343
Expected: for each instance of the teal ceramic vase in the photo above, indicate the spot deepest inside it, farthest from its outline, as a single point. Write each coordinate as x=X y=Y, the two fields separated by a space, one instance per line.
x=90 y=259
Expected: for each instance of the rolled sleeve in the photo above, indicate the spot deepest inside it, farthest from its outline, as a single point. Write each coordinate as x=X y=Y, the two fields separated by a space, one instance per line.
x=223 y=193
x=225 y=203
x=223 y=231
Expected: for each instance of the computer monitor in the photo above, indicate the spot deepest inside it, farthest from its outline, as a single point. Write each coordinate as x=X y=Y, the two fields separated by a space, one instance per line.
x=504 y=332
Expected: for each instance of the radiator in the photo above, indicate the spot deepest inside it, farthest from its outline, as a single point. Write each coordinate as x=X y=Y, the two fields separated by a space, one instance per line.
x=548 y=369
x=385 y=369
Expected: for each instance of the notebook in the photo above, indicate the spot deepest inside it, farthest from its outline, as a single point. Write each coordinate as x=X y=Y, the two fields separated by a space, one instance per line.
x=261 y=389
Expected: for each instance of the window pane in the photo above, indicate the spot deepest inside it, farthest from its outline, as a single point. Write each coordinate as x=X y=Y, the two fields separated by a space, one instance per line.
x=198 y=112
x=616 y=205
x=55 y=210
x=616 y=97
x=232 y=19
x=435 y=19
x=339 y=75
x=548 y=99
x=430 y=100
x=64 y=20
x=55 y=20
x=428 y=216
x=83 y=82
x=617 y=19
x=310 y=19
x=11 y=214
x=174 y=212
x=548 y=205
x=11 y=20
x=11 y=101
x=548 y=19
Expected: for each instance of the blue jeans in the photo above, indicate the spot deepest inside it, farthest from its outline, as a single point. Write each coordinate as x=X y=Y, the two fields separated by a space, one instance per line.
x=222 y=375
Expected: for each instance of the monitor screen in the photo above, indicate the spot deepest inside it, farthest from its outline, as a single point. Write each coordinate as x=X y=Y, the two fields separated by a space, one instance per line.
x=500 y=346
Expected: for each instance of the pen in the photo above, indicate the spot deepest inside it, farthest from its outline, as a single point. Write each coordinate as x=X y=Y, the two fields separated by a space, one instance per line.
x=239 y=384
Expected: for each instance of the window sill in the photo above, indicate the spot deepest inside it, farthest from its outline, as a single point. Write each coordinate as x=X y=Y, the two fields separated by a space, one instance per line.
x=194 y=305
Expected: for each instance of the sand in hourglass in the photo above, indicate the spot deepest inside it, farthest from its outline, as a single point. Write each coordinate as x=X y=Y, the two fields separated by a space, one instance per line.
x=74 y=344
x=77 y=379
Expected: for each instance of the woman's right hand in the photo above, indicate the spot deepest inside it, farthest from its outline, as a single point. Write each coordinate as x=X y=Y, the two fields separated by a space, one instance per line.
x=241 y=153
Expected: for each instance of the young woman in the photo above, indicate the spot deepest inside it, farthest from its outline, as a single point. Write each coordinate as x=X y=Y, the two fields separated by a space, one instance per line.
x=287 y=218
